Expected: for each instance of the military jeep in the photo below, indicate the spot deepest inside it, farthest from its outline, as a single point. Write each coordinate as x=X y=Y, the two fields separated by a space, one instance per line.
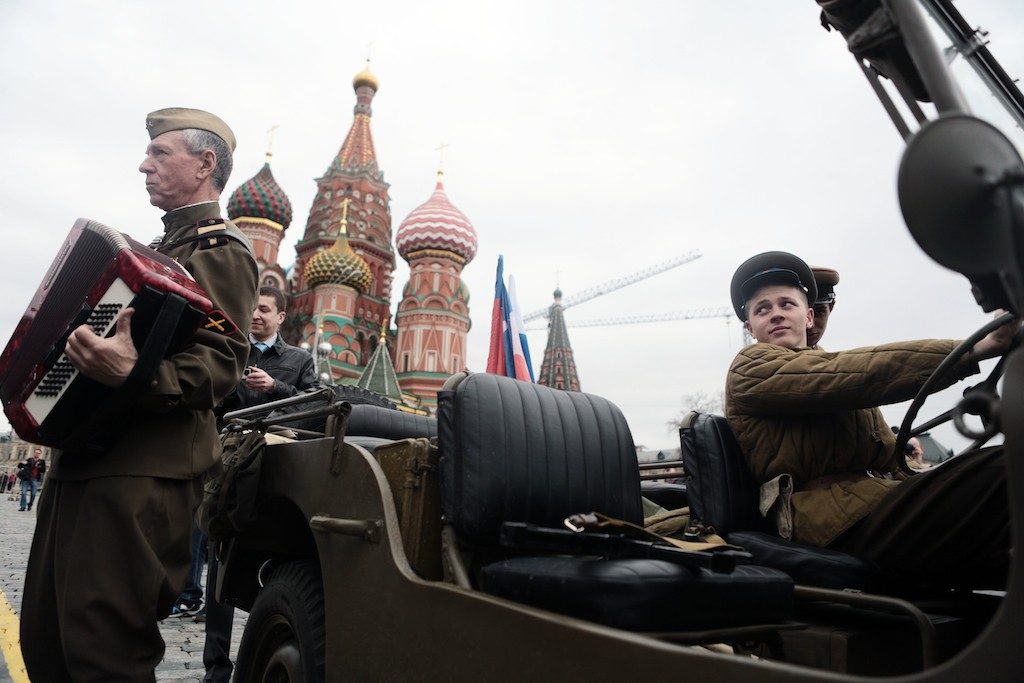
x=460 y=565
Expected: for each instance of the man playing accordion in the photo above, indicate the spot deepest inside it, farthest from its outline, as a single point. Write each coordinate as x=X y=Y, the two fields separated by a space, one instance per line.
x=111 y=548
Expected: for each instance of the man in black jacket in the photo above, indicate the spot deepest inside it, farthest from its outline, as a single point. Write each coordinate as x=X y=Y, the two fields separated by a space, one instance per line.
x=275 y=370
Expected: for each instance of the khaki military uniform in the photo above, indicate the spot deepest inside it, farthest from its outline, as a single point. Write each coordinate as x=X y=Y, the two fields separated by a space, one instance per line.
x=111 y=550
x=812 y=415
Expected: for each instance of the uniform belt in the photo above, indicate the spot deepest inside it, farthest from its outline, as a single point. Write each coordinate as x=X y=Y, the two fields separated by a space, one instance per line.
x=824 y=482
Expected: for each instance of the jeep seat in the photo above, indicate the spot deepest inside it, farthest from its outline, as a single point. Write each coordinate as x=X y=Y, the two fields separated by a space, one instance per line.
x=512 y=451
x=723 y=494
x=368 y=420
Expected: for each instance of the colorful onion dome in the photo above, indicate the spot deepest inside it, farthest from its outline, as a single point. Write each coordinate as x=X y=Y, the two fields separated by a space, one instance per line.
x=339 y=265
x=437 y=225
x=364 y=77
x=261 y=197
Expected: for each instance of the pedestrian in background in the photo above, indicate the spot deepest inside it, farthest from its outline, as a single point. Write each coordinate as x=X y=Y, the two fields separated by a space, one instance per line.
x=26 y=474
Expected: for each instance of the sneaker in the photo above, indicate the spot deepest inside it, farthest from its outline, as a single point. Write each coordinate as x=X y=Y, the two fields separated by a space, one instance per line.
x=186 y=608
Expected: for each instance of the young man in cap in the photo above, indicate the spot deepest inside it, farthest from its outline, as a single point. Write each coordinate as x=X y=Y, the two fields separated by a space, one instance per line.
x=809 y=418
x=111 y=548
x=825 y=279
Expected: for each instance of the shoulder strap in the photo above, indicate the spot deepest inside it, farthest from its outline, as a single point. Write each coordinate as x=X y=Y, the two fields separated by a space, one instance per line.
x=213 y=239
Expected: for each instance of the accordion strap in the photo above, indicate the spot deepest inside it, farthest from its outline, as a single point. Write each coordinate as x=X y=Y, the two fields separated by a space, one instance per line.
x=152 y=352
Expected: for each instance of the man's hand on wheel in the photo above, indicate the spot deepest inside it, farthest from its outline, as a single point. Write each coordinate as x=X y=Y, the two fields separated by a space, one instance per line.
x=997 y=341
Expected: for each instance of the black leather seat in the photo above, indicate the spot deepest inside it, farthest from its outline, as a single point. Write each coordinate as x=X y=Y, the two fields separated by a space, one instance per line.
x=667 y=495
x=372 y=415
x=367 y=420
x=642 y=595
x=517 y=452
x=723 y=494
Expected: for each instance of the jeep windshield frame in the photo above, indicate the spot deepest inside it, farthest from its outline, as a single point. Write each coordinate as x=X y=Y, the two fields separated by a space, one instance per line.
x=949 y=69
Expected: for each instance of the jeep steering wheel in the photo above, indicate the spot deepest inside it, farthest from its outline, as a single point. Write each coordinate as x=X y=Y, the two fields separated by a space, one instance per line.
x=981 y=399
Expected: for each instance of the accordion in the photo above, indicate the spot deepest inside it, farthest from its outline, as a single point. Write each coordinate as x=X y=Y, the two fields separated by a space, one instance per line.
x=97 y=273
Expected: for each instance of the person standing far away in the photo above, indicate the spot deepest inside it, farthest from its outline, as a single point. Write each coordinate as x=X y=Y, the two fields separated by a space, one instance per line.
x=915 y=454
x=275 y=370
x=111 y=546
x=26 y=474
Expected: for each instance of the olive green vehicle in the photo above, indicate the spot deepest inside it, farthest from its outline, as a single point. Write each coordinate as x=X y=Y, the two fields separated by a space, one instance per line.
x=396 y=547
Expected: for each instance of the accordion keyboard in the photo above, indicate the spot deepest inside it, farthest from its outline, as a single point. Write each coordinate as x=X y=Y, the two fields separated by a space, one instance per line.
x=59 y=377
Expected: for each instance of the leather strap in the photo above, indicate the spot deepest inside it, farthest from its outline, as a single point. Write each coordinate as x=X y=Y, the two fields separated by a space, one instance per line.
x=97 y=434
x=702 y=540
x=224 y=234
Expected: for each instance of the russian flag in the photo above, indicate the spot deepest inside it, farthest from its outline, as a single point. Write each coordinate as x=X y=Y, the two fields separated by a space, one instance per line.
x=496 y=353
x=517 y=332
x=509 y=352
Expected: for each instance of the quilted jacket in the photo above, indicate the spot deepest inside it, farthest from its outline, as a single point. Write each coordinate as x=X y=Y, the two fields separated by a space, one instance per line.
x=811 y=413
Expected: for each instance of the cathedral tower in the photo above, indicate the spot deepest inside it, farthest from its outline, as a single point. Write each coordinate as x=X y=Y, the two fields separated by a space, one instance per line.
x=353 y=183
x=558 y=369
x=338 y=277
x=433 y=316
x=261 y=210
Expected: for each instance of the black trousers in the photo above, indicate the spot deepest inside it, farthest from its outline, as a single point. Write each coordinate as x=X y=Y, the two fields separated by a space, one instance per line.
x=219 y=620
x=948 y=524
x=108 y=559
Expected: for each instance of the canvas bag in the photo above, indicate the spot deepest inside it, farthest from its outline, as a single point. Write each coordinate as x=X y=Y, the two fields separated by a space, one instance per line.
x=229 y=498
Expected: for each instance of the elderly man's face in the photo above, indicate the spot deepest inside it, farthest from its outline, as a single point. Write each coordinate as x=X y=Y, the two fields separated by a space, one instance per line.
x=821 y=314
x=173 y=175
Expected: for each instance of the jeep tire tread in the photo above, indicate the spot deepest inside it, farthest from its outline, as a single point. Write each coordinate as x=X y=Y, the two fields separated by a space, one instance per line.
x=284 y=635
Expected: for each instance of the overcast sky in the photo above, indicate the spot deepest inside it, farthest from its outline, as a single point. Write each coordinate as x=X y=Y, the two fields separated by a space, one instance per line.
x=588 y=139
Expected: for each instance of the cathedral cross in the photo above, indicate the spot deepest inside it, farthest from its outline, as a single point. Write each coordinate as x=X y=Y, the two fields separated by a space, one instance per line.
x=270 y=140
x=344 y=215
x=440 y=155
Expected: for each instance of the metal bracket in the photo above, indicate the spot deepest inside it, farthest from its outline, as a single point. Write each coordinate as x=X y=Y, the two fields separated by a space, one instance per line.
x=337 y=421
x=367 y=529
x=878 y=603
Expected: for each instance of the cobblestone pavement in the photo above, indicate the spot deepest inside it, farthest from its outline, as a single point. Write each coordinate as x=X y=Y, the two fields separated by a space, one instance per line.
x=183 y=659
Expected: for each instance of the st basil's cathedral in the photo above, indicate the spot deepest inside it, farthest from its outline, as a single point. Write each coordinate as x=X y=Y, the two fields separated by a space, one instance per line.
x=339 y=289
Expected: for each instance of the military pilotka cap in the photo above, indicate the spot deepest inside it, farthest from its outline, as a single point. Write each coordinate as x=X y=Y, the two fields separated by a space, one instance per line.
x=178 y=118
x=826 y=279
x=770 y=268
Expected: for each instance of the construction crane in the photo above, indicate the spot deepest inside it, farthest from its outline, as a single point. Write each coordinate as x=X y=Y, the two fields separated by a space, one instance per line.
x=723 y=312
x=617 y=283
x=691 y=314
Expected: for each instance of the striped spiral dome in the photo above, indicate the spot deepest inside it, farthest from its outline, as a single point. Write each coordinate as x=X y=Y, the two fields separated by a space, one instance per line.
x=437 y=224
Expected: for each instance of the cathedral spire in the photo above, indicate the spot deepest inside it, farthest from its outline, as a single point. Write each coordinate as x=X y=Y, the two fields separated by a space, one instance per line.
x=357 y=152
x=558 y=370
x=379 y=374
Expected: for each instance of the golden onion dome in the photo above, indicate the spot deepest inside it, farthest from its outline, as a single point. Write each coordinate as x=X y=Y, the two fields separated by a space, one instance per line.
x=339 y=265
x=365 y=77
